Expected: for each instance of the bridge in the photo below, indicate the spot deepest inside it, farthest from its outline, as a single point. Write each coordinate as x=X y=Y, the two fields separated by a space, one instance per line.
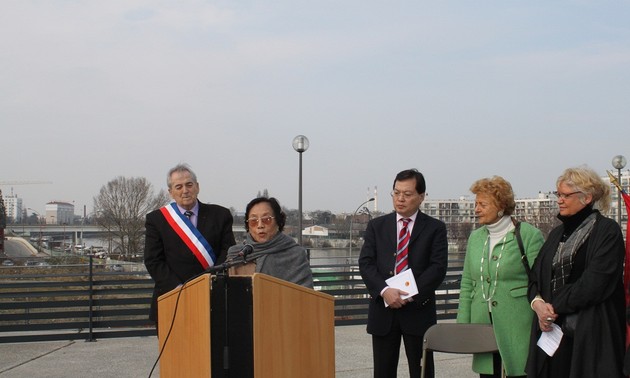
x=75 y=231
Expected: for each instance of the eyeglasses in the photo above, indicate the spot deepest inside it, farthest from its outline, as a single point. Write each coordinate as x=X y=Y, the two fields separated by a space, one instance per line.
x=404 y=195
x=253 y=222
x=564 y=196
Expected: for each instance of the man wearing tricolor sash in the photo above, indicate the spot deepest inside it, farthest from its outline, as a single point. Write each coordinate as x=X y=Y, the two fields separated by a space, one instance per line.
x=185 y=237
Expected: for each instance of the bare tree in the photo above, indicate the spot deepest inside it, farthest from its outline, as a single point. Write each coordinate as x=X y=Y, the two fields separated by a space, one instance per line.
x=458 y=234
x=546 y=220
x=121 y=207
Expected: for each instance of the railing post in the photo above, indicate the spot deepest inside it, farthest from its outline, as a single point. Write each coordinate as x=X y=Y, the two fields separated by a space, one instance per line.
x=90 y=300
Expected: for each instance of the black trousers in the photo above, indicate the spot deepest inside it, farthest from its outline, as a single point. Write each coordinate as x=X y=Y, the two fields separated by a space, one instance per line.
x=496 y=366
x=386 y=352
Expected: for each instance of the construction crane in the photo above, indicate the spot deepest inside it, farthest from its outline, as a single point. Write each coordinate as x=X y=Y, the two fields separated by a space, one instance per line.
x=24 y=182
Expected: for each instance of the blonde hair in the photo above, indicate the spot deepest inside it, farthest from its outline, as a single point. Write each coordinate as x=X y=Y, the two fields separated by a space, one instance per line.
x=587 y=181
x=499 y=189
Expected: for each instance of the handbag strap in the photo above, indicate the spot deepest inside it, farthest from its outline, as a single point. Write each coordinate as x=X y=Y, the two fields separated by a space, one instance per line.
x=524 y=260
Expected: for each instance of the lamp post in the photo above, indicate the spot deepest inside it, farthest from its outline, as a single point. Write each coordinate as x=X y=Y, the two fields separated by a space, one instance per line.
x=619 y=162
x=300 y=144
x=352 y=219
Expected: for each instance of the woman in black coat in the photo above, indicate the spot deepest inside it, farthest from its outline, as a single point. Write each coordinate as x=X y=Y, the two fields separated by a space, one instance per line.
x=577 y=285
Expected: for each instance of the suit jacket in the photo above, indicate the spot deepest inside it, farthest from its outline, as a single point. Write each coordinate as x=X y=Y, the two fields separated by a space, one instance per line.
x=427 y=258
x=168 y=259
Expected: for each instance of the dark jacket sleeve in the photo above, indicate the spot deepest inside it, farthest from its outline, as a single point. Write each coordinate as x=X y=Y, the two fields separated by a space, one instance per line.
x=604 y=269
x=431 y=277
x=155 y=255
x=227 y=236
x=368 y=267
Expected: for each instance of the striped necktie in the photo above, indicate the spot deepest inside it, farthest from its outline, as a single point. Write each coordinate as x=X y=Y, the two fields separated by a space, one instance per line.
x=403 y=247
x=188 y=214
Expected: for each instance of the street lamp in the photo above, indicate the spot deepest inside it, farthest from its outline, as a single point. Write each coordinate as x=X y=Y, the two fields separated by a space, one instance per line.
x=618 y=162
x=352 y=219
x=300 y=144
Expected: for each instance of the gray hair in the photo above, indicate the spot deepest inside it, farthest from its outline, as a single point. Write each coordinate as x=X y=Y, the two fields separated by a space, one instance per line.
x=587 y=181
x=181 y=167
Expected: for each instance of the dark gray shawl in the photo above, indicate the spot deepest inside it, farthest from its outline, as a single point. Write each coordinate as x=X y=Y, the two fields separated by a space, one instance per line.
x=280 y=257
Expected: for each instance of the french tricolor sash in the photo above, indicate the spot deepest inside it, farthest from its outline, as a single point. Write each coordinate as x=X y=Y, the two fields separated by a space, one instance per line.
x=189 y=234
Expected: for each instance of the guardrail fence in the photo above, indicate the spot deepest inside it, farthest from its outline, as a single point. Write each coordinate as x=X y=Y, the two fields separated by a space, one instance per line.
x=92 y=301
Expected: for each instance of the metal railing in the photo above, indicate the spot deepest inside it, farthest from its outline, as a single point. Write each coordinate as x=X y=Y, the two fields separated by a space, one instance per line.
x=73 y=303
x=352 y=298
x=89 y=301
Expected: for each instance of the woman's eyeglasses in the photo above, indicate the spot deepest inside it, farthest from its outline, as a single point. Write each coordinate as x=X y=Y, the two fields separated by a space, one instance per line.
x=253 y=222
x=564 y=196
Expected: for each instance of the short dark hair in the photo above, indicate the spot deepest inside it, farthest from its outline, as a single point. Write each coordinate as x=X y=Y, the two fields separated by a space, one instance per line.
x=409 y=174
x=278 y=214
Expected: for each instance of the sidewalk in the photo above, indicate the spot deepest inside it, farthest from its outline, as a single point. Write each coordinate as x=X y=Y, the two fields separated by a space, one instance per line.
x=135 y=356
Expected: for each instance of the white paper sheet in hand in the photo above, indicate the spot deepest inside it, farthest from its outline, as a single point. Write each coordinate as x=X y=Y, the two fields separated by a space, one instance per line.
x=550 y=341
x=404 y=281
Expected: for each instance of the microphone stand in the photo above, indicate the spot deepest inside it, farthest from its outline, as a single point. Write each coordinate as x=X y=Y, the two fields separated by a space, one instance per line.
x=222 y=270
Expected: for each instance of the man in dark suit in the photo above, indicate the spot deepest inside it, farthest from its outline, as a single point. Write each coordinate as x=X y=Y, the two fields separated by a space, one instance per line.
x=406 y=239
x=186 y=237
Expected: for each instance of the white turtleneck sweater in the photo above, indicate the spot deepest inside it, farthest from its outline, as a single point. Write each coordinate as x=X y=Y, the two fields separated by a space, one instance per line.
x=498 y=230
x=496 y=233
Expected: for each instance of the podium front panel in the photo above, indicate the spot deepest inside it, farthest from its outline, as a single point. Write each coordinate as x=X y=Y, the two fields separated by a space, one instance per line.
x=187 y=349
x=237 y=328
x=247 y=326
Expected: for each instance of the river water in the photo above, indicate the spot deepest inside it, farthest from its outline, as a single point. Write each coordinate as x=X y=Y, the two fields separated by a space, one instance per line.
x=318 y=256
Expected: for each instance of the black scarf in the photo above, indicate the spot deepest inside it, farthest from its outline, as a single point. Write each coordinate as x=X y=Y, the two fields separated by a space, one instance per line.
x=577 y=229
x=279 y=257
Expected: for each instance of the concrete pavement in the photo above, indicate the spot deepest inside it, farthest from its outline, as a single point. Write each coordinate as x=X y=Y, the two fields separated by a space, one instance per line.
x=135 y=356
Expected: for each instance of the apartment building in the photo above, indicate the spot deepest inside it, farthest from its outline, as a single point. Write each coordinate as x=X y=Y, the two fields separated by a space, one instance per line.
x=13 y=207
x=541 y=211
x=59 y=213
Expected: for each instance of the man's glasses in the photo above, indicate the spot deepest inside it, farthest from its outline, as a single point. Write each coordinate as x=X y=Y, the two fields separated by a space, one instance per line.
x=253 y=222
x=404 y=195
x=564 y=196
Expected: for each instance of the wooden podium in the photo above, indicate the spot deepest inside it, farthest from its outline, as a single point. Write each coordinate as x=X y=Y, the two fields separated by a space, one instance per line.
x=266 y=327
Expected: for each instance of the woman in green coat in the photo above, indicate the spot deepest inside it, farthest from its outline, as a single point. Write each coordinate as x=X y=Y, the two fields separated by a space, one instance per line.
x=494 y=280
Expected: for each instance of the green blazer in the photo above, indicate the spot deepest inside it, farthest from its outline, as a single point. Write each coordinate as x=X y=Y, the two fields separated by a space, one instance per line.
x=511 y=312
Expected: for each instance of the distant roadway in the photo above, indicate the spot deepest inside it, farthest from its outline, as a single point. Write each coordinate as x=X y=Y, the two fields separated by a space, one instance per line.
x=18 y=248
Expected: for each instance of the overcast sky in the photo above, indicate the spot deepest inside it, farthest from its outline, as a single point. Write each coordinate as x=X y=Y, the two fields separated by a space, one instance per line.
x=92 y=90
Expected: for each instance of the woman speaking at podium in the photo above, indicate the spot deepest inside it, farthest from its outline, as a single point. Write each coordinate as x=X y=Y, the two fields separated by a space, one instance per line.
x=274 y=253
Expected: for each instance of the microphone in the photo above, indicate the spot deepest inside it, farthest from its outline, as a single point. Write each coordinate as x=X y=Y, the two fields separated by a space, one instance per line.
x=246 y=250
x=243 y=253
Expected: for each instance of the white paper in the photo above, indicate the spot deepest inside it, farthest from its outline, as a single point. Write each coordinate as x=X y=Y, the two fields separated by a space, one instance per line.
x=404 y=281
x=550 y=341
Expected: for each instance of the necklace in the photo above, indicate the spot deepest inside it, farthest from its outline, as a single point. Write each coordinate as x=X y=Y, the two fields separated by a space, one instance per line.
x=496 y=274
